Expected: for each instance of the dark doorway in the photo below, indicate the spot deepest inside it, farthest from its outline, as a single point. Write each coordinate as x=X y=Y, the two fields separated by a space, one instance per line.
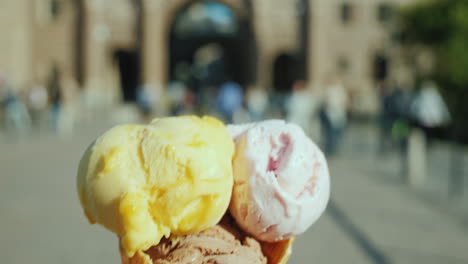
x=211 y=47
x=284 y=73
x=128 y=63
x=380 y=67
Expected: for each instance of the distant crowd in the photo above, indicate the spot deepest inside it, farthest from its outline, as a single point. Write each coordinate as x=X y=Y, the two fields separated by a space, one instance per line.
x=321 y=111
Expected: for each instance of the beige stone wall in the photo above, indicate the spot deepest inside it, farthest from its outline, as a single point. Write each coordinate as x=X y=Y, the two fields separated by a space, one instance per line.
x=355 y=42
x=121 y=16
x=319 y=54
x=276 y=28
x=108 y=26
x=39 y=41
x=15 y=44
x=54 y=40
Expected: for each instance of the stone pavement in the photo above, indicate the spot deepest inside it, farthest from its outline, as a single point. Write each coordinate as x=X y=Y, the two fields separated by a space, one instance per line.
x=371 y=219
x=435 y=188
x=399 y=226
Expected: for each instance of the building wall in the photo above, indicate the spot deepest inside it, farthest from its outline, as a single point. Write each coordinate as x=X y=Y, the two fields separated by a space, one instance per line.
x=54 y=39
x=347 y=49
x=121 y=16
x=41 y=40
x=15 y=44
x=276 y=27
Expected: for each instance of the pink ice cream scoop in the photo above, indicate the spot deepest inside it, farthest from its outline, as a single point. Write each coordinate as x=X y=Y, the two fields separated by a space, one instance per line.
x=281 y=180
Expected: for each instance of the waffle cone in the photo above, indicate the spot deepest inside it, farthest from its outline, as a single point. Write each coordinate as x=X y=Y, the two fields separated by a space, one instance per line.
x=276 y=253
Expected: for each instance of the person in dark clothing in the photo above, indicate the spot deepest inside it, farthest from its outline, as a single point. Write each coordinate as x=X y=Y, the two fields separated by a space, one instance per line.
x=55 y=97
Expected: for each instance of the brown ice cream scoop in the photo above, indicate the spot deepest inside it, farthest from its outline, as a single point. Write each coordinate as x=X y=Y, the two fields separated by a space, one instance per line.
x=224 y=243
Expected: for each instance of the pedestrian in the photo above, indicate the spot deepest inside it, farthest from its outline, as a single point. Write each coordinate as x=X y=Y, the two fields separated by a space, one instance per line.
x=333 y=115
x=428 y=109
x=37 y=103
x=229 y=100
x=176 y=92
x=146 y=100
x=385 y=118
x=17 y=118
x=301 y=106
x=55 y=98
x=67 y=117
x=257 y=103
x=399 y=115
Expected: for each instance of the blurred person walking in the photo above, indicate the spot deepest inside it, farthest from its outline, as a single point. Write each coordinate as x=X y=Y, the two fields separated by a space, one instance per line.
x=229 y=100
x=385 y=119
x=429 y=113
x=394 y=120
x=333 y=115
x=38 y=103
x=428 y=109
x=398 y=108
x=55 y=95
x=147 y=98
x=176 y=92
x=209 y=73
x=67 y=117
x=17 y=118
x=257 y=103
x=301 y=106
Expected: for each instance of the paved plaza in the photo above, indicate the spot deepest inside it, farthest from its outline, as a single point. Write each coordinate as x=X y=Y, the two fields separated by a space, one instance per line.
x=371 y=218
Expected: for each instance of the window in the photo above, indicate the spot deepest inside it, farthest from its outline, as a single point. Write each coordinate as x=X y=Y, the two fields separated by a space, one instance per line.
x=47 y=11
x=346 y=12
x=384 y=12
x=380 y=67
x=54 y=8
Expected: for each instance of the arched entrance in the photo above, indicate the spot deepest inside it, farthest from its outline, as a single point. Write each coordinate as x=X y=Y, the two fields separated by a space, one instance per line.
x=209 y=43
x=380 y=67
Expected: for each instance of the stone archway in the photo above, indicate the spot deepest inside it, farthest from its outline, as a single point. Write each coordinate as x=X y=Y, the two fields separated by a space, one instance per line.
x=157 y=17
x=273 y=31
x=208 y=47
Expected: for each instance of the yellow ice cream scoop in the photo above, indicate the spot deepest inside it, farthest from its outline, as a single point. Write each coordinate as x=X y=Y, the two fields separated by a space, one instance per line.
x=143 y=182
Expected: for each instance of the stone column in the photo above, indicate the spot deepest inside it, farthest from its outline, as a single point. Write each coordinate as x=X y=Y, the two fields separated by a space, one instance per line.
x=275 y=26
x=260 y=28
x=318 y=56
x=155 y=52
x=264 y=68
x=155 y=43
x=96 y=35
x=16 y=47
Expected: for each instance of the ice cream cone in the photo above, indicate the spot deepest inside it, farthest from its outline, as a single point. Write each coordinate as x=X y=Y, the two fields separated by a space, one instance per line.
x=276 y=253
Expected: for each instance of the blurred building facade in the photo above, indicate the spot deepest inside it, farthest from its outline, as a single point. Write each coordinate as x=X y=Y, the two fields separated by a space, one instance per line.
x=103 y=45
